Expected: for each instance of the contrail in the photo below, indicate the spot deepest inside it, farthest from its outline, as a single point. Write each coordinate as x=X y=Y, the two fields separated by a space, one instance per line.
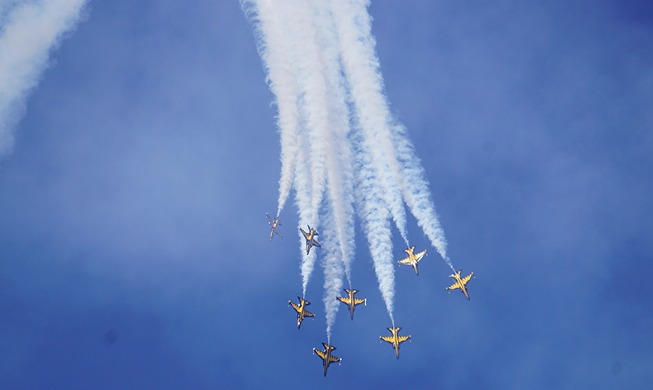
x=312 y=90
x=333 y=270
x=277 y=26
x=405 y=174
x=342 y=150
x=28 y=32
x=375 y=220
x=339 y=213
x=324 y=109
x=361 y=68
x=278 y=59
x=417 y=194
x=338 y=146
x=303 y=201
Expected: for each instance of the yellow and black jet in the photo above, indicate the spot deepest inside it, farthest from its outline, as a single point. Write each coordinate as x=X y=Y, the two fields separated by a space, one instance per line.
x=274 y=226
x=395 y=339
x=301 y=310
x=460 y=283
x=326 y=356
x=351 y=302
x=310 y=238
x=413 y=258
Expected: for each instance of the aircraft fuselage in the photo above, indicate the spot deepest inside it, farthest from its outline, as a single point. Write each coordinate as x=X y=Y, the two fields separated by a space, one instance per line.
x=326 y=356
x=461 y=283
x=301 y=311
x=413 y=258
x=395 y=339
x=310 y=238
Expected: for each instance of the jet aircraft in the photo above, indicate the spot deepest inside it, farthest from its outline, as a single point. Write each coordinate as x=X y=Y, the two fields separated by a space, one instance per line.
x=274 y=226
x=412 y=258
x=460 y=283
x=395 y=339
x=310 y=238
x=326 y=356
x=351 y=302
x=301 y=310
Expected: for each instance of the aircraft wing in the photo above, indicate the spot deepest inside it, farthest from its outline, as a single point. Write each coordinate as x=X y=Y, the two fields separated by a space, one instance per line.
x=358 y=301
x=344 y=300
x=389 y=339
x=466 y=278
x=401 y=339
x=308 y=313
x=418 y=256
x=320 y=353
x=405 y=261
x=454 y=286
x=333 y=359
x=304 y=233
x=294 y=306
x=315 y=243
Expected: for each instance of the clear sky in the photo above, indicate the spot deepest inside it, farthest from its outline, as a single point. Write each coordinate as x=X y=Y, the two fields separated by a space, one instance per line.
x=134 y=248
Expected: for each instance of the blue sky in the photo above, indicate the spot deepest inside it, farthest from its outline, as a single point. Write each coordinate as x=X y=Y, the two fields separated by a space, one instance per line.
x=133 y=240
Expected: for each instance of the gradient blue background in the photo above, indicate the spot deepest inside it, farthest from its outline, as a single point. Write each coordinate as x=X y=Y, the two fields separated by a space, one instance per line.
x=133 y=240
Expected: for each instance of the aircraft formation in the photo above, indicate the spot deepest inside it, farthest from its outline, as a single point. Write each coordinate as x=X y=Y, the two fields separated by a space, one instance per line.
x=394 y=339
x=343 y=154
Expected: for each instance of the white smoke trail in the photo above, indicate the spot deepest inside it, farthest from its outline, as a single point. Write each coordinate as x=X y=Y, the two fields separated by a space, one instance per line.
x=314 y=130
x=318 y=54
x=339 y=214
x=275 y=34
x=303 y=196
x=333 y=270
x=303 y=200
x=402 y=164
x=28 y=32
x=312 y=86
x=417 y=194
x=361 y=68
x=325 y=111
x=278 y=58
x=375 y=221
x=338 y=147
